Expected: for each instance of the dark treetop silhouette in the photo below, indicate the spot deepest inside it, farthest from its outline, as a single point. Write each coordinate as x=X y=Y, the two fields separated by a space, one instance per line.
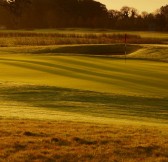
x=78 y=13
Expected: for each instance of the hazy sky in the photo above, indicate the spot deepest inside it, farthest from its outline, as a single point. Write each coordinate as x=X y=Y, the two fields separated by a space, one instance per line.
x=141 y=5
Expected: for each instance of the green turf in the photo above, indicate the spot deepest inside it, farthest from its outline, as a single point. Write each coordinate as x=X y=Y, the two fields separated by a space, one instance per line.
x=89 y=85
x=153 y=52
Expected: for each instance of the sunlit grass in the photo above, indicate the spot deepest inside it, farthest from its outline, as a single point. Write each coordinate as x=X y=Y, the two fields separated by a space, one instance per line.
x=34 y=140
x=154 y=52
x=84 y=85
x=83 y=102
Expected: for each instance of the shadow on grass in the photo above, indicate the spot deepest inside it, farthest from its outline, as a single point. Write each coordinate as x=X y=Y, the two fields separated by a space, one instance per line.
x=86 y=102
x=109 y=49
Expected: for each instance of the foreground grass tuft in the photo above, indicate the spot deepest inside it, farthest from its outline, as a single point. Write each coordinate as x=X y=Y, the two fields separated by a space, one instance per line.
x=77 y=141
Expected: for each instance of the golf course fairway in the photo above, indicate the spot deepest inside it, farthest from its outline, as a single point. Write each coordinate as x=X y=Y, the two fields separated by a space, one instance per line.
x=88 y=86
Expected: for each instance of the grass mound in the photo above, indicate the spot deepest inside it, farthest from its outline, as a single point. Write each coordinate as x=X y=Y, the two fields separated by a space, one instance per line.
x=153 y=52
x=86 y=102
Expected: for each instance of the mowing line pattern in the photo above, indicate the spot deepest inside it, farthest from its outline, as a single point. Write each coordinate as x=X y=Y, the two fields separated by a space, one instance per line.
x=91 y=86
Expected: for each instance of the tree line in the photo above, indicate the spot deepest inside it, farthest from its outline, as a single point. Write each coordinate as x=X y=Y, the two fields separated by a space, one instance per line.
x=29 y=14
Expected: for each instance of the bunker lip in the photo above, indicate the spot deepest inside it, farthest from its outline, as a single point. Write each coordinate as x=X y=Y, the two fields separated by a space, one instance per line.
x=101 y=49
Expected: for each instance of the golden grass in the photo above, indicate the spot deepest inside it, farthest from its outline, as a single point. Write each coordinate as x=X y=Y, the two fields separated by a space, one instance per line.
x=55 y=37
x=37 y=140
x=152 y=52
x=39 y=133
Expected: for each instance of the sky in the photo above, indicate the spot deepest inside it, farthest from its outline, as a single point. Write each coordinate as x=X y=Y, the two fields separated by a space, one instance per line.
x=140 y=5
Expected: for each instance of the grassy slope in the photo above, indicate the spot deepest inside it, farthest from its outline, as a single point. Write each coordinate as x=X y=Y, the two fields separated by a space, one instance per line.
x=85 y=85
x=126 y=101
x=153 y=52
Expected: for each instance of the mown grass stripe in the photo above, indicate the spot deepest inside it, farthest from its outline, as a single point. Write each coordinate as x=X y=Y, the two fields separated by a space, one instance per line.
x=85 y=74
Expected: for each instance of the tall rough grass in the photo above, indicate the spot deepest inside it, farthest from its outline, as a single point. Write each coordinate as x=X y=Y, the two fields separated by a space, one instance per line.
x=44 y=39
x=28 y=140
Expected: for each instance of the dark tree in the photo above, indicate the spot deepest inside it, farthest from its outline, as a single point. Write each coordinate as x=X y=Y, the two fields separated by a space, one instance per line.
x=164 y=16
x=78 y=13
x=15 y=8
